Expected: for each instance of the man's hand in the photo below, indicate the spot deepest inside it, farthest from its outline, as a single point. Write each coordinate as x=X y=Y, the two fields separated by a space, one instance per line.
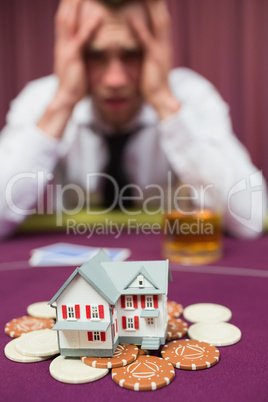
x=76 y=22
x=156 y=43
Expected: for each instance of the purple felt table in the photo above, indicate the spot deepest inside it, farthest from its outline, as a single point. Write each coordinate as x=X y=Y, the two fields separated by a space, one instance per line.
x=238 y=281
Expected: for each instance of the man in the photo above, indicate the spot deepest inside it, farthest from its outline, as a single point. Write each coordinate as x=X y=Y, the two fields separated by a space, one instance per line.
x=113 y=80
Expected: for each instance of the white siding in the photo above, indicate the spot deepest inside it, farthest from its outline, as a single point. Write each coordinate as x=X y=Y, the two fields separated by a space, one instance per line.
x=82 y=293
x=160 y=321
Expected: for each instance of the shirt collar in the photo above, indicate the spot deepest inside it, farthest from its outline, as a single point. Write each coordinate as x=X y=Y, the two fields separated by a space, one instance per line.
x=85 y=114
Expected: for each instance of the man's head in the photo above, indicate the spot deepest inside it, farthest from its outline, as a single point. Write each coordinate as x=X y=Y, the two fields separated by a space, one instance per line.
x=114 y=61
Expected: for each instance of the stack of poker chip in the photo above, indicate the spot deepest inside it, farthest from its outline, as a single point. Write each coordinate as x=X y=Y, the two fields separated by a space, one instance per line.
x=35 y=341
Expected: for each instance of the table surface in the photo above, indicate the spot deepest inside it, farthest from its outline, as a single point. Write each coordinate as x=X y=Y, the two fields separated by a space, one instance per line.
x=239 y=281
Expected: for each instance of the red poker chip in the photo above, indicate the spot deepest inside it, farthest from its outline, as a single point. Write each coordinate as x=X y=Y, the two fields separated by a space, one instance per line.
x=123 y=355
x=190 y=354
x=177 y=328
x=147 y=373
x=174 y=309
x=25 y=324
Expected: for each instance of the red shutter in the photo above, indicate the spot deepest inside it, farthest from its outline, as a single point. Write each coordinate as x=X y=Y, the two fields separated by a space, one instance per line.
x=116 y=325
x=123 y=302
x=155 y=301
x=90 y=336
x=135 y=301
x=136 y=321
x=77 y=311
x=124 y=322
x=101 y=311
x=142 y=301
x=103 y=336
x=88 y=312
x=64 y=312
x=114 y=330
x=112 y=307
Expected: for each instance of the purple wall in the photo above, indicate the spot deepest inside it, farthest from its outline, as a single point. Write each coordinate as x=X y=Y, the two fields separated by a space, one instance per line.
x=224 y=40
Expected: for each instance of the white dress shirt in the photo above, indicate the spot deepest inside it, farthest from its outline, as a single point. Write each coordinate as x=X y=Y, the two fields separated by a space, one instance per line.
x=197 y=144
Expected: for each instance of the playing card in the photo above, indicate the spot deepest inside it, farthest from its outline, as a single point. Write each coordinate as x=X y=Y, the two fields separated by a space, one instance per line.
x=60 y=254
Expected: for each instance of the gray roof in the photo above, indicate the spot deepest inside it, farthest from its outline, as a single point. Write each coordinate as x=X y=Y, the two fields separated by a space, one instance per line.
x=149 y=313
x=112 y=279
x=82 y=326
x=93 y=272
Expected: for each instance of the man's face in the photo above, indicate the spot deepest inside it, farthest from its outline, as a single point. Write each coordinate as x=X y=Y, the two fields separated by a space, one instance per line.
x=114 y=60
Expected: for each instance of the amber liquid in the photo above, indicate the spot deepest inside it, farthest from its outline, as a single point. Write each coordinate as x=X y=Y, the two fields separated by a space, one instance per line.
x=192 y=239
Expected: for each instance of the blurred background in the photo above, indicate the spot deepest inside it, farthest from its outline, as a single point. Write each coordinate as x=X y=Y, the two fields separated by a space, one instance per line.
x=224 y=40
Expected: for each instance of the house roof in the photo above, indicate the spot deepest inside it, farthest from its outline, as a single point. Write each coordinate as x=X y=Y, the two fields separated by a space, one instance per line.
x=112 y=279
x=82 y=326
x=93 y=272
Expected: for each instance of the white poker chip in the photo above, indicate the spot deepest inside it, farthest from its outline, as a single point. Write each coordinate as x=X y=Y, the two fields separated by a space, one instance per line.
x=72 y=370
x=12 y=354
x=41 y=310
x=38 y=343
x=207 y=312
x=216 y=333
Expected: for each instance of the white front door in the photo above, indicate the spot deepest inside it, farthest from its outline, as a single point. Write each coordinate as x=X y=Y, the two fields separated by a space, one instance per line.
x=73 y=339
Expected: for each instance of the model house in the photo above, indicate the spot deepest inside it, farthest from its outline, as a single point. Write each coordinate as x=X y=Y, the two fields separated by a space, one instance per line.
x=104 y=303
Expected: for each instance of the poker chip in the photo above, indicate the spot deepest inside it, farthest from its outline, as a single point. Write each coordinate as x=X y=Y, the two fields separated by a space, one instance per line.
x=38 y=343
x=25 y=324
x=123 y=355
x=41 y=310
x=174 y=309
x=207 y=312
x=12 y=354
x=217 y=333
x=176 y=329
x=189 y=354
x=147 y=373
x=72 y=371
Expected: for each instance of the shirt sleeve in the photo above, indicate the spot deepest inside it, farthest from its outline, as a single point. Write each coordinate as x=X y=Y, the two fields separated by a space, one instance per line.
x=27 y=160
x=203 y=151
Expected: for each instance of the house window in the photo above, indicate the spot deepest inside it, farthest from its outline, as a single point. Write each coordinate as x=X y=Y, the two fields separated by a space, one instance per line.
x=96 y=336
x=141 y=281
x=129 y=302
x=130 y=323
x=70 y=312
x=150 y=321
x=149 y=302
x=94 y=312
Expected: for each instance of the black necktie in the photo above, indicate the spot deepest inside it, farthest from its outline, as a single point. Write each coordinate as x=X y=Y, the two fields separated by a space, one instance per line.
x=116 y=144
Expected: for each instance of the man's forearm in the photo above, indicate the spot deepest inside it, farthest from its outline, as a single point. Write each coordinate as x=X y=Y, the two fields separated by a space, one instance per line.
x=56 y=116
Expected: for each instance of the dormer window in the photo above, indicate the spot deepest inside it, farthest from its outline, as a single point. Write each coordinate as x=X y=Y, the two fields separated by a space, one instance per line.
x=141 y=281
